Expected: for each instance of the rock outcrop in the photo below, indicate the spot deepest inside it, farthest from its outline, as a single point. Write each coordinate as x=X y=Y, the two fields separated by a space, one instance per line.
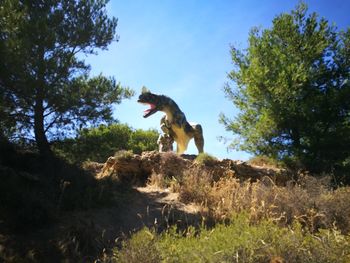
x=138 y=168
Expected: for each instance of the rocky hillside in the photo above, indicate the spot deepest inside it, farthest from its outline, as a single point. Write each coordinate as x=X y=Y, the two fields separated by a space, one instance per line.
x=60 y=212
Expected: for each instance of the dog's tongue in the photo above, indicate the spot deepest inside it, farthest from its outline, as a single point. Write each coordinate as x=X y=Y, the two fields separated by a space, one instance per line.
x=152 y=106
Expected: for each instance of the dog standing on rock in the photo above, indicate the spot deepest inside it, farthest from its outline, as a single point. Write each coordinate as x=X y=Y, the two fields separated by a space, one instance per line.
x=173 y=123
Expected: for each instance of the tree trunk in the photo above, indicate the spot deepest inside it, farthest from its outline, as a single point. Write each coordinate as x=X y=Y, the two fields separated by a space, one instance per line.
x=296 y=138
x=39 y=129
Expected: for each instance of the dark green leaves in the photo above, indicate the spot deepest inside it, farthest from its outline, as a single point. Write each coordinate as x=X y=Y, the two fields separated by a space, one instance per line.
x=292 y=93
x=42 y=78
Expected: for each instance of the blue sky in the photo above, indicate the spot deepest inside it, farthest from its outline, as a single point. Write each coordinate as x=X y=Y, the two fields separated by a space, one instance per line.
x=181 y=49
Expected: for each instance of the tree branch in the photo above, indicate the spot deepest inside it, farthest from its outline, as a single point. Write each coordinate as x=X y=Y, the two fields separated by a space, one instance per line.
x=51 y=124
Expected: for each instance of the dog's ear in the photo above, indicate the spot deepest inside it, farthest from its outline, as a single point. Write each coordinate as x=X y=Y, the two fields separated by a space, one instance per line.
x=145 y=90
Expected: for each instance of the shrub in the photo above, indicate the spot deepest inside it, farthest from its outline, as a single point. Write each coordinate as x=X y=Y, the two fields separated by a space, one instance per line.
x=97 y=144
x=140 y=248
x=239 y=241
x=143 y=140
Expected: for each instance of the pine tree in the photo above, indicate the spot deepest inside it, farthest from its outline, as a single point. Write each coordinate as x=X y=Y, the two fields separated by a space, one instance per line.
x=44 y=82
x=292 y=88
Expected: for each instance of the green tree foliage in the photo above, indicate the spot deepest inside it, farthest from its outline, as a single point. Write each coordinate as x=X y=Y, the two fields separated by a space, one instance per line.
x=143 y=140
x=293 y=91
x=97 y=144
x=45 y=86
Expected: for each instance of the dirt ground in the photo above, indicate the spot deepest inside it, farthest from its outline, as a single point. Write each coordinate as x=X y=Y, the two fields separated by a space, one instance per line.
x=89 y=234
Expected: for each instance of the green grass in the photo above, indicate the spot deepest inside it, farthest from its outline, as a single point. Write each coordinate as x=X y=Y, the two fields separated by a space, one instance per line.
x=240 y=241
x=205 y=159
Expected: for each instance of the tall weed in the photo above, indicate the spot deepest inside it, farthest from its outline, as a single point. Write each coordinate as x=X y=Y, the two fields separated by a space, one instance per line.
x=310 y=201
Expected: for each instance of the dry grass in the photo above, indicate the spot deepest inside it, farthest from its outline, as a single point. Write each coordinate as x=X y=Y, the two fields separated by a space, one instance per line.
x=82 y=242
x=310 y=201
x=168 y=174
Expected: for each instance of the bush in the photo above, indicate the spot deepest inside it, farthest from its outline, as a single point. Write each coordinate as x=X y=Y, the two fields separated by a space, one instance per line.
x=140 y=248
x=239 y=241
x=143 y=140
x=97 y=144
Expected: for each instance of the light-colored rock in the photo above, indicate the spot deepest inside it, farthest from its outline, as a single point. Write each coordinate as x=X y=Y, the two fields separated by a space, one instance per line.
x=138 y=168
